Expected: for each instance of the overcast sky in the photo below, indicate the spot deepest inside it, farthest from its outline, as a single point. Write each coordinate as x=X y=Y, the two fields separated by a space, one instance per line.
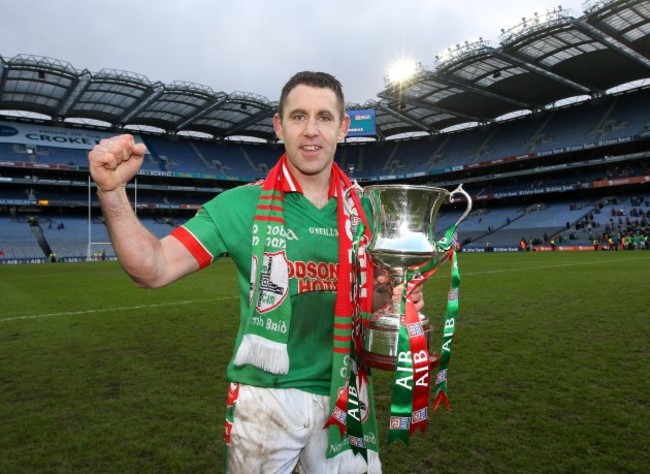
x=255 y=45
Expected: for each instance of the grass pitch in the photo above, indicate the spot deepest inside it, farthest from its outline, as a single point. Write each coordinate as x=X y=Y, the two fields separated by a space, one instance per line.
x=549 y=369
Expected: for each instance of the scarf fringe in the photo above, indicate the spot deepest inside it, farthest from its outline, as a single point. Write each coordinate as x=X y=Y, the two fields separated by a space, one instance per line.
x=269 y=356
x=349 y=463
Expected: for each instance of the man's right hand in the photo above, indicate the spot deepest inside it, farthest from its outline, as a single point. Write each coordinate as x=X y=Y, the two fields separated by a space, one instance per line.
x=115 y=161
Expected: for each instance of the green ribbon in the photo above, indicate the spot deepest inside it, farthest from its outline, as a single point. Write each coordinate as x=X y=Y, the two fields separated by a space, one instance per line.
x=402 y=396
x=402 y=416
x=448 y=335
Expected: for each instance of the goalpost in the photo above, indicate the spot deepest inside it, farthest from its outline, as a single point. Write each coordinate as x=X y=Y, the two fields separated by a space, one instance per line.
x=97 y=251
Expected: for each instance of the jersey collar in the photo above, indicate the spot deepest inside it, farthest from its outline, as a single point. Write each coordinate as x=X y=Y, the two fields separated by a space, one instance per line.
x=289 y=184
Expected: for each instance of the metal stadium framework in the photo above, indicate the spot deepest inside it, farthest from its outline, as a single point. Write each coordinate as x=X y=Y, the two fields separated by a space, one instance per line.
x=545 y=59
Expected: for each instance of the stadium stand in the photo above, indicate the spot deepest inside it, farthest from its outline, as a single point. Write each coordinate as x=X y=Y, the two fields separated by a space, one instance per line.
x=548 y=131
x=176 y=155
x=68 y=236
x=234 y=160
x=500 y=225
x=17 y=240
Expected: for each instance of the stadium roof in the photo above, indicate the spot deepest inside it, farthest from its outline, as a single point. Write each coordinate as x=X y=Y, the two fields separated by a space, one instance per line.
x=545 y=59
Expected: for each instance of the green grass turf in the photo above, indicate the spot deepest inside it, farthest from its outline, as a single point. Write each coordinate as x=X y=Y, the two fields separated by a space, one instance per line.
x=549 y=370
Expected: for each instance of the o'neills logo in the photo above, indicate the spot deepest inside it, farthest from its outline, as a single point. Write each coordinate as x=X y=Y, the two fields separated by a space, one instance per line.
x=314 y=276
x=274 y=281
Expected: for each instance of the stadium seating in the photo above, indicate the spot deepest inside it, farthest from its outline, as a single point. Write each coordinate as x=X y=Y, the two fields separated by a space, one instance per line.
x=159 y=227
x=507 y=225
x=610 y=118
x=176 y=155
x=231 y=159
x=605 y=120
x=17 y=239
x=68 y=236
x=628 y=116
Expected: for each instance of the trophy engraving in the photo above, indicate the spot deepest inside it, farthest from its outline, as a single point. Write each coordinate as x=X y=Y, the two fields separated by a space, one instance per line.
x=403 y=232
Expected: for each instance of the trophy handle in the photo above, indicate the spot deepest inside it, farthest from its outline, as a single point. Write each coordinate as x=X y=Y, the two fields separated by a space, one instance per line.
x=354 y=187
x=460 y=190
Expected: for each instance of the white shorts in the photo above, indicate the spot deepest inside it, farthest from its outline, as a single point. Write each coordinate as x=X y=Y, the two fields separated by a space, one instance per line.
x=281 y=431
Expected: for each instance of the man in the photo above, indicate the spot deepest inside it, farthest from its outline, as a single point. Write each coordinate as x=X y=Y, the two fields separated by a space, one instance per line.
x=290 y=239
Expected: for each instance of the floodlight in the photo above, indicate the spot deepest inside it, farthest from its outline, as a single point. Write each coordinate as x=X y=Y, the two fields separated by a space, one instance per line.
x=401 y=71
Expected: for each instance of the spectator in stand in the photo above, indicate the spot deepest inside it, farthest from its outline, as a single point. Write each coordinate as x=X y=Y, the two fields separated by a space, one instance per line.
x=611 y=245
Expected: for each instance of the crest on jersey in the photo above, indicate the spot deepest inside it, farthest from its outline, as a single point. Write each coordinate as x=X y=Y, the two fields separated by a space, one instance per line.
x=273 y=282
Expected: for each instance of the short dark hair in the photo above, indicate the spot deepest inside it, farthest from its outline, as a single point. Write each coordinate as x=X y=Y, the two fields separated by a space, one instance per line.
x=313 y=79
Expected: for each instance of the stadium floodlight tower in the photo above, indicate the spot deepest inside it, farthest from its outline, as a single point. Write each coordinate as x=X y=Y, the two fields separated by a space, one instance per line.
x=400 y=75
x=401 y=71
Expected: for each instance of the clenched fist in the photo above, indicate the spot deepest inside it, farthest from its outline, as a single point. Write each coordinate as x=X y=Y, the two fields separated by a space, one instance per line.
x=115 y=161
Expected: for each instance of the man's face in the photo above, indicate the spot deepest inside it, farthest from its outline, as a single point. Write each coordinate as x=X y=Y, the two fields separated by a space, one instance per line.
x=310 y=128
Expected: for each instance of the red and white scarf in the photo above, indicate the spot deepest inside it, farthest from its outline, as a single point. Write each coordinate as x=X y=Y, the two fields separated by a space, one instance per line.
x=265 y=345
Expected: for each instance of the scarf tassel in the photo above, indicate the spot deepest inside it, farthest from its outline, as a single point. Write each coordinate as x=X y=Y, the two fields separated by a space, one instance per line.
x=268 y=355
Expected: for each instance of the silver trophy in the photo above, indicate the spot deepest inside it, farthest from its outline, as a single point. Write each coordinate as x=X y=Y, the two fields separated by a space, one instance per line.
x=403 y=237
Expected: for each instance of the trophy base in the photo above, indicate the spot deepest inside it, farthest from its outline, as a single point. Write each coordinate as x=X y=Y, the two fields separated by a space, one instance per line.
x=381 y=337
x=388 y=363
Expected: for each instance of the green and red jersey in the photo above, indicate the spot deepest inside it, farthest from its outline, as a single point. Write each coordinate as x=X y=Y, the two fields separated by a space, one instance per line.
x=224 y=225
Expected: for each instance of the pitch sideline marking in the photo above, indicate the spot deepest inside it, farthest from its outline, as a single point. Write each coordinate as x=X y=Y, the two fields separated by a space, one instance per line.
x=128 y=308
x=122 y=308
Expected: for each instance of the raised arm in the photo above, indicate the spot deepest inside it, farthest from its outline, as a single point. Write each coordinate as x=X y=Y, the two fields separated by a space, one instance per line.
x=150 y=262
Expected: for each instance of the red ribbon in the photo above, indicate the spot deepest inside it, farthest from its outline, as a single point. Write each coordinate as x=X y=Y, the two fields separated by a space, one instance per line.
x=421 y=367
x=340 y=411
